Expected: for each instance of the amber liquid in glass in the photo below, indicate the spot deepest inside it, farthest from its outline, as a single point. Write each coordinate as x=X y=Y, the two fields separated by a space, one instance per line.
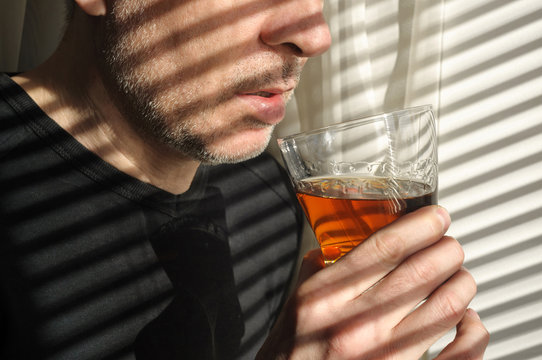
x=344 y=211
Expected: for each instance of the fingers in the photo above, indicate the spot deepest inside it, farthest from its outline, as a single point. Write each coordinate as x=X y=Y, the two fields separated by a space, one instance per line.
x=436 y=316
x=470 y=340
x=397 y=294
x=384 y=251
x=364 y=305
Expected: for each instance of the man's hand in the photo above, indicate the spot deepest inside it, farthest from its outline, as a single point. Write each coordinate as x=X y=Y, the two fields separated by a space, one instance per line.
x=367 y=304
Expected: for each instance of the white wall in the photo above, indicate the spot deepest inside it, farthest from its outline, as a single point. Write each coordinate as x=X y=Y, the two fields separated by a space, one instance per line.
x=491 y=162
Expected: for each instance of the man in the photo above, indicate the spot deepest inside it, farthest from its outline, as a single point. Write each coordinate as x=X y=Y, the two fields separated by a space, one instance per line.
x=120 y=240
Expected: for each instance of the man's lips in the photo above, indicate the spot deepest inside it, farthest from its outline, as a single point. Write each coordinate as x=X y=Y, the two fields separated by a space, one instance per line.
x=267 y=105
x=265 y=94
x=268 y=92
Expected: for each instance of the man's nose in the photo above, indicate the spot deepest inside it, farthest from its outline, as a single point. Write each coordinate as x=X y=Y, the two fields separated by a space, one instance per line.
x=297 y=25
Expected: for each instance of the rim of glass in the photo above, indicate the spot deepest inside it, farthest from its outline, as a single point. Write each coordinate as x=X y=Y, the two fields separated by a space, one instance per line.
x=355 y=122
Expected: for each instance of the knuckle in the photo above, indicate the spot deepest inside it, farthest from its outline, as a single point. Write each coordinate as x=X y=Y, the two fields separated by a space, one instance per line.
x=389 y=248
x=310 y=306
x=343 y=341
x=451 y=307
x=424 y=271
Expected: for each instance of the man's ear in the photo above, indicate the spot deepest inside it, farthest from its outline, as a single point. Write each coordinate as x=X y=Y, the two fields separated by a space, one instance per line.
x=92 y=7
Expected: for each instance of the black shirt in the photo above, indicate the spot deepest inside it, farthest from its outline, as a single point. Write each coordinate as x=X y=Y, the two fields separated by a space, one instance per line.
x=95 y=264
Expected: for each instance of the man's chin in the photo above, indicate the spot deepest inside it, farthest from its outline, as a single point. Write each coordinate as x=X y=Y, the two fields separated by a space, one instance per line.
x=218 y=159
x=243 y=147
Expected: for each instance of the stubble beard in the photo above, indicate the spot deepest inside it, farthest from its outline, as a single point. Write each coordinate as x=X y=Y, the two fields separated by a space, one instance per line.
x=171 y=120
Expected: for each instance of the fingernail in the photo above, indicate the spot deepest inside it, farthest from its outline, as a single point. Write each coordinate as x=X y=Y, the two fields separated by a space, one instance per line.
x=473 y=314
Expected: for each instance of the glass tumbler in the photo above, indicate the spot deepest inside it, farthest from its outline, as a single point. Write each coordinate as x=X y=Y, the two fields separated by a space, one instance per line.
x=355 y=177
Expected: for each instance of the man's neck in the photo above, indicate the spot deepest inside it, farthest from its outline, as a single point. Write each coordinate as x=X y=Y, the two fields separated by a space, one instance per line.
x=71 y=92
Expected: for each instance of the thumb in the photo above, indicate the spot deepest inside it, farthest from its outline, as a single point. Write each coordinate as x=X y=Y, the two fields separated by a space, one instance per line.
x=312 y=263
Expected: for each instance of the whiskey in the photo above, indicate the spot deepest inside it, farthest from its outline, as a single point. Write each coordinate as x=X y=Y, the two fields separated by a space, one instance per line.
x=344 y=211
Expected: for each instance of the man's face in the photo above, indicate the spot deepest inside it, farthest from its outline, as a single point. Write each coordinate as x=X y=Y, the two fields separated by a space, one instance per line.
x=209 y=78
